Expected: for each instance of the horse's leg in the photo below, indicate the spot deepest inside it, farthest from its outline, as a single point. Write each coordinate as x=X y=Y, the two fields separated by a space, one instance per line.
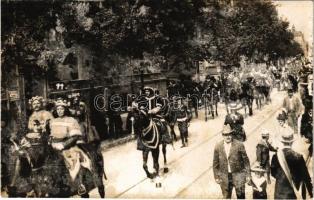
x=250 y=107
x=164 y=152
x=145 y=157
x=155 y=154
x=216 y=107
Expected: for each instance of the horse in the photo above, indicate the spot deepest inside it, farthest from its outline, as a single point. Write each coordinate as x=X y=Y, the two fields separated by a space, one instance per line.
x=152 y=132
x=258 y=93
x=36 y=170
x=247 y=96
x=211 y=101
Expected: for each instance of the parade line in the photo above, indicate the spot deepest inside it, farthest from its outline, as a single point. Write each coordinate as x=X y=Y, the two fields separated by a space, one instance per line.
x=272 y=112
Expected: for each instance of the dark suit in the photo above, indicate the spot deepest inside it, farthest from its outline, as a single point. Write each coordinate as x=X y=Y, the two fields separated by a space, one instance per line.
x=239 y=165
x=299 y=173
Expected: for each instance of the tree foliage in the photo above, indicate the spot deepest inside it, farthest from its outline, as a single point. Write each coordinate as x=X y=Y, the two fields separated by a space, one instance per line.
x=128 y=28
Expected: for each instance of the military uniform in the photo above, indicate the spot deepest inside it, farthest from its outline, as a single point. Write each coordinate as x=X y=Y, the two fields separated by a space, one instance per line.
x=236 y=122
x=183 y=116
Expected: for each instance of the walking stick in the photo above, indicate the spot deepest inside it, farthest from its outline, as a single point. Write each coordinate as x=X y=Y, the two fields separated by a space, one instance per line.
x=205 y=102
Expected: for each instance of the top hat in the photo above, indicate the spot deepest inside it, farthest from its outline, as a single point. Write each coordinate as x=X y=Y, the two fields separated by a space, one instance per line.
x=227 y=130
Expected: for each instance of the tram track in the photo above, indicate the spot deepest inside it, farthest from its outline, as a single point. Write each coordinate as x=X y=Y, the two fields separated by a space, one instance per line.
x=248 y=136
x=201 y=144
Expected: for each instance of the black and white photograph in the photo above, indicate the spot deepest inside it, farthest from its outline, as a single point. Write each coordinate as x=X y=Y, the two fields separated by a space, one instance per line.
x=157 y=99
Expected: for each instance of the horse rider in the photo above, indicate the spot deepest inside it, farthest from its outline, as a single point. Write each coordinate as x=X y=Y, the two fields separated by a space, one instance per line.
x=247 y=92
x=66 y=138
x=236 y=121
x=183 y=117
x=39 y=114
x=153 y=106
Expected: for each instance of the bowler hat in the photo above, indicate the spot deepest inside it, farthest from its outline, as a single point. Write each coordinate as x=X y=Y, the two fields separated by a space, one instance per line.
x=227 y=130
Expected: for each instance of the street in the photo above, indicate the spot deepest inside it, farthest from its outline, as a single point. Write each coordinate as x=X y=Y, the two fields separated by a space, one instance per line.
x=190 y=174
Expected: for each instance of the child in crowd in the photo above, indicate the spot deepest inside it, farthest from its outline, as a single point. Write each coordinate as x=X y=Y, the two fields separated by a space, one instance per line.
x=259 y=182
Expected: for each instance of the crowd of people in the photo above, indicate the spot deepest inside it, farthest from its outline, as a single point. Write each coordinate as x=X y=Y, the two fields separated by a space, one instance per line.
x=66 y=127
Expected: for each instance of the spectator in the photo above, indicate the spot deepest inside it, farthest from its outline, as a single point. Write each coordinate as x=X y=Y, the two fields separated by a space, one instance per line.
x=262 y=153
x=292 y=104
x=289 y=169
x=236 y=121
x=231 y=165
x=259 y=183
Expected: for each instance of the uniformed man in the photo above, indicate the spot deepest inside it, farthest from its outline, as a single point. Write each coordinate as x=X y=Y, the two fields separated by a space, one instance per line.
x=236 y=121
x=183 y=117
x=39 y=114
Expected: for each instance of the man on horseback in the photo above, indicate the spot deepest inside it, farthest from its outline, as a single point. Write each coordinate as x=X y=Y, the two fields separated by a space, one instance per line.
x=66 y=139
x=247 y=94
x=236 y=121
x=152 y=127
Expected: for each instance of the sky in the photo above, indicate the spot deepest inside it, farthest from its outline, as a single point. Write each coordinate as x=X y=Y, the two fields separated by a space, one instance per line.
x=300 y=14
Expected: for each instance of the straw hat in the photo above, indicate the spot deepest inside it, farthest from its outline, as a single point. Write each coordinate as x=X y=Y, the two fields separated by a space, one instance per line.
x=257 y=168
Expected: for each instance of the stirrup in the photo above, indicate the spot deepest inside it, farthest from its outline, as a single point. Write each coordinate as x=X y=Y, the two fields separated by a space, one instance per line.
x=81 y=190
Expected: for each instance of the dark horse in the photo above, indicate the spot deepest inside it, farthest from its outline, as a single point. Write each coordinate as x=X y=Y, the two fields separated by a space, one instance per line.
x=37 y=170
x=211 y=101
x=247 y=96
x=152 y=132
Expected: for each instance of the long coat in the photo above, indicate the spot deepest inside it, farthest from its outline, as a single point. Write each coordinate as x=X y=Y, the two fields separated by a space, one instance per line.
x=299 y=173
x=238 y=161
x=293 y=112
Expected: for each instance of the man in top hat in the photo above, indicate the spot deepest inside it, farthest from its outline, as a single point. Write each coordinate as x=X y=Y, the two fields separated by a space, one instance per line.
x=289 y=169
x=39 y=114
x=263 y=148
x=236 y=121
x=292 y=104
x=231 y=165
